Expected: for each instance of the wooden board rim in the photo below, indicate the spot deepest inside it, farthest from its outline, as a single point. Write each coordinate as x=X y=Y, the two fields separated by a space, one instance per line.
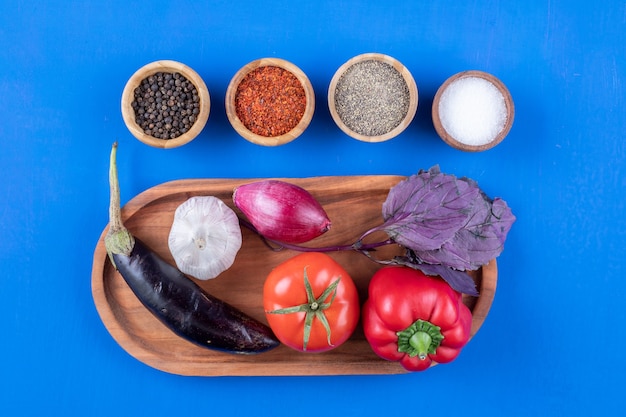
x=235 y=365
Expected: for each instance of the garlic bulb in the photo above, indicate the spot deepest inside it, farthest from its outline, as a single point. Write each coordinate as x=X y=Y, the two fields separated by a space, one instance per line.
x=205 y=237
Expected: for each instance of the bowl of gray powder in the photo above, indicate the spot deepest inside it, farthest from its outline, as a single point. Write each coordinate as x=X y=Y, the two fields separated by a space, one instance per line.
x=372 y=97
x=165 y=104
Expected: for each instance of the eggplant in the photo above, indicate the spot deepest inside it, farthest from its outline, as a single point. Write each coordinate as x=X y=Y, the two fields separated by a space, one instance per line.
x=173 y=298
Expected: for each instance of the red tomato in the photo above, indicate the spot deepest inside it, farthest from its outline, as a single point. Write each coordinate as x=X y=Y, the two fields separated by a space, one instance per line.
x=311 y=303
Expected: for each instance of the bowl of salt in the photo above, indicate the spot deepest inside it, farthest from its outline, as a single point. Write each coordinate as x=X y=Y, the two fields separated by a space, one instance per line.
x=473 y=111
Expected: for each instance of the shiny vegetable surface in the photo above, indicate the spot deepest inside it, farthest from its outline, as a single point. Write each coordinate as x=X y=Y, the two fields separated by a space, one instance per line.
x=173 y=298
x=281 y=211
x=414 y=319
x=447 y=225
x=311 y=303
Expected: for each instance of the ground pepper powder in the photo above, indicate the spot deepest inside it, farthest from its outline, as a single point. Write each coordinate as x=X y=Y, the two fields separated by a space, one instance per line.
x=372 y=98
x=270 y=101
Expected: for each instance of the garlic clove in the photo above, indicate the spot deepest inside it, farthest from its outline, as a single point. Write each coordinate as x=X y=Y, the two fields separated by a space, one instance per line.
x=282 y=211
x=205 y=237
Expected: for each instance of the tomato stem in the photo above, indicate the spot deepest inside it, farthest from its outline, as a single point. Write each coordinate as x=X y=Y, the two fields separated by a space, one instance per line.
x=313 y=308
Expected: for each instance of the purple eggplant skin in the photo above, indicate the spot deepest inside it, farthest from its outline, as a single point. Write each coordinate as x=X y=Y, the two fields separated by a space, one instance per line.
x=172 y=297
x=188 y=310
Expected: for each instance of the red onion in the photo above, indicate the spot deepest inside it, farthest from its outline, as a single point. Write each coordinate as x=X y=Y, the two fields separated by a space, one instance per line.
x=281 y=211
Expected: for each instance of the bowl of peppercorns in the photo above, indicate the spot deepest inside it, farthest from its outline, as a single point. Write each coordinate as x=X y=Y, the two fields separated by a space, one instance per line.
x=270 y=102
x=165 y=104
x=372 y=97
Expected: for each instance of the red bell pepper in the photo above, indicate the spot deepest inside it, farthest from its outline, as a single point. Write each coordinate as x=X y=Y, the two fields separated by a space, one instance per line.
x=414 y=319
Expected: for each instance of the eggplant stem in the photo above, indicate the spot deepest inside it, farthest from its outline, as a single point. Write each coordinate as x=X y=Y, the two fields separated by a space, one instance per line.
x=118 y=239
x=115 y=218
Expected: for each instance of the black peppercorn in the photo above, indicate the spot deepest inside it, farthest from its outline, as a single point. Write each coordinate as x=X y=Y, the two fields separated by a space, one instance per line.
x=160 y=103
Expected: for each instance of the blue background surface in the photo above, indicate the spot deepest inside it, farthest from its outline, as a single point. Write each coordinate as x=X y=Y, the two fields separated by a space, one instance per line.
x=553 y=341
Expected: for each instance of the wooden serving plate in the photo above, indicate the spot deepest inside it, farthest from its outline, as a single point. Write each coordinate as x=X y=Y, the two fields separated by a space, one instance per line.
x=354 y=205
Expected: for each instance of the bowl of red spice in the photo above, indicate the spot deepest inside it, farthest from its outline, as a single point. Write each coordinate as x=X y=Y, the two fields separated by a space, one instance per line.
x=165 y=104
x=473 y=111
x=270 y=102
x=372 y=97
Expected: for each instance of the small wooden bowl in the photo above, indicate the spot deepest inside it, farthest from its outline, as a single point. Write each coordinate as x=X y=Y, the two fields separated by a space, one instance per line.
x=231 y=106
x=406 y=75
x=128 y=113
x=454 y=142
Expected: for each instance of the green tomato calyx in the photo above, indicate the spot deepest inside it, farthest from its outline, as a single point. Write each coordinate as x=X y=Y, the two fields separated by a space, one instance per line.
x=420 y=339
x=313 y=308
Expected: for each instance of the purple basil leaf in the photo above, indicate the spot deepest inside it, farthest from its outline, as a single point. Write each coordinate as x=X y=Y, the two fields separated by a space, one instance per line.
x=485 y=241
x=459 y=281
x=426 y=210
x=447 y=225
x=457 y=252
x=479 y=241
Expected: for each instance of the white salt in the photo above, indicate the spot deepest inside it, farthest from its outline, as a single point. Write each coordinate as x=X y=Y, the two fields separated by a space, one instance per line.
x=472 y=110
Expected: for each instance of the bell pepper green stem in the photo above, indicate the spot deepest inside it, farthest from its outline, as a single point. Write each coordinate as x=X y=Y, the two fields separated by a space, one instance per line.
x=421 y=342
x=420 y=339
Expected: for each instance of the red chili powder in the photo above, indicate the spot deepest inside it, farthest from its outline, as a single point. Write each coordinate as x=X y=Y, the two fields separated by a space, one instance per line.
x=270 y=101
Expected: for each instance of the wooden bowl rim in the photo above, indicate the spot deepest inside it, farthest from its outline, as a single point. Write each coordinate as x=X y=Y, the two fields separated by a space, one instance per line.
x=237 y=124
x=408 y=78
x=128 y=113
x=508 y=101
